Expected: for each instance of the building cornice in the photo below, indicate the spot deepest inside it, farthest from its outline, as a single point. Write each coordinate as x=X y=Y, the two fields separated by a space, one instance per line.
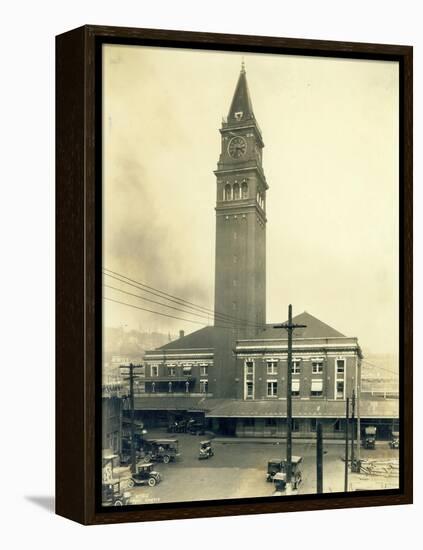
x=228 y=128
x=253 y=167
x=225 y=208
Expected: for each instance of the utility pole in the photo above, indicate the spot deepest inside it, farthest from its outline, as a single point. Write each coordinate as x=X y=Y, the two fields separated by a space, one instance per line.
x=352 y=429
x=132 y=405
x=346 y=444
x=289 y=327
x=358 y=385
x=130 y=374
x=319 y=458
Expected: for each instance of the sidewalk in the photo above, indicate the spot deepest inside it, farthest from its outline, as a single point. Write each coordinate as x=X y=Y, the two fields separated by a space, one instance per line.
x=279 y=441
x=271 y=440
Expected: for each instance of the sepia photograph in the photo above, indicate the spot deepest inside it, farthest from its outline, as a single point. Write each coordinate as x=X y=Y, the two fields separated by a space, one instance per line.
x=250 y=275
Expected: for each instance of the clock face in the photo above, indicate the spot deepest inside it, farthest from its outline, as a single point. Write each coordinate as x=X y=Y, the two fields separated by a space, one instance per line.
x=237 y=147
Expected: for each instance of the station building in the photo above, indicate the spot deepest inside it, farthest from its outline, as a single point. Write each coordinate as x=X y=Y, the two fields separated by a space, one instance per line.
x=234 y=373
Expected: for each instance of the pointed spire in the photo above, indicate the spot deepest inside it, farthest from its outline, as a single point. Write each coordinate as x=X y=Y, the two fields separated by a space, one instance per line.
x=241 y=107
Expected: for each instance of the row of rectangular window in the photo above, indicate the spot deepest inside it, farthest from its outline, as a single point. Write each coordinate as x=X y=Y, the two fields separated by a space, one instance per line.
x=171 y=371
x=272 y=389
x=204 y=385
x=316 y=388
x=317 y=367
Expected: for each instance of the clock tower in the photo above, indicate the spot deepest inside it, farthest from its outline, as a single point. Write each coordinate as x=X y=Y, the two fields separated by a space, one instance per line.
x=240 y=278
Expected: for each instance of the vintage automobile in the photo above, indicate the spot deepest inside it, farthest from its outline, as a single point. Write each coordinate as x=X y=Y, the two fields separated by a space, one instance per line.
x=178 y=426
x=206 y=450
x=274 y=466
x=394 y=443
x=195 y=427
x=112 y=495
x=125 y=455
x=145 y=475
x=279 y=476
x=161 y=450
x=370 y=437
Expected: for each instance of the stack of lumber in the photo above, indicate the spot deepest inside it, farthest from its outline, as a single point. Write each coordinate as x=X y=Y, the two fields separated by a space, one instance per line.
x=386 y=468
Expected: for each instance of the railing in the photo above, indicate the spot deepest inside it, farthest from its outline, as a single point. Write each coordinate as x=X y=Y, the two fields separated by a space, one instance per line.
x=383 y=389
x=171 y=394
x=384 y=394
x=169 y=378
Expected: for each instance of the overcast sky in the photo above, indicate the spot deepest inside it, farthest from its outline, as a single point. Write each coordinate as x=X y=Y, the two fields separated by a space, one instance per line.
x=330 y=129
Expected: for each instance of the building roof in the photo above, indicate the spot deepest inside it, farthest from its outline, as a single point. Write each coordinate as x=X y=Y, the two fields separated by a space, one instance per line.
x=241 y=101
x=204 y=338
x=209 y=337
x=301 y=409
x=264 y=408
x=158 y=403
x=314 y=329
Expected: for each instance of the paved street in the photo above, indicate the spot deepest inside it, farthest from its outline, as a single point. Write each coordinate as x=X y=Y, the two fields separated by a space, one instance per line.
x=238 y=469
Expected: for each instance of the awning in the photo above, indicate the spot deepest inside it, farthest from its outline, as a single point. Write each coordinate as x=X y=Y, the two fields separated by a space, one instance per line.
x=109 y=456
x=264 y=408
x=317 y=385
x=150 y=402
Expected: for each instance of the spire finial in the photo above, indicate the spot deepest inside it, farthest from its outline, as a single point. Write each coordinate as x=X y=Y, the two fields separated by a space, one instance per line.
x=243 y=65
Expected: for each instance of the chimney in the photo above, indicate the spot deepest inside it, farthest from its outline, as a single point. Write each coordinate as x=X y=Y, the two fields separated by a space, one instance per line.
x=181 y=334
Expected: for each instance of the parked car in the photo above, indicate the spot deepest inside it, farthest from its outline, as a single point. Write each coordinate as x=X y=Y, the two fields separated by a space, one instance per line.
x=145 y=475
x=279 y=477
x=161 y=450
x=394 y=443
x=274 y=466
x=206 y=449
x=125 y=454
x=195 y=427
x=370 y=437
x=112 y=495
x=178 y=426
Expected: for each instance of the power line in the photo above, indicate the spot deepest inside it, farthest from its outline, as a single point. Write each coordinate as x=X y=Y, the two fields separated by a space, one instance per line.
x=377 y=367
x=137 y=286
x=159 y=313
x=175 y=299
x=158 y=303
x=151 y=311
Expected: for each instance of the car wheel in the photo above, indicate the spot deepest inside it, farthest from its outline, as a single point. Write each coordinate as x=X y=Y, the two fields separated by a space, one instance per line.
x=166 y=459
x=130 y=483
x=152 y=481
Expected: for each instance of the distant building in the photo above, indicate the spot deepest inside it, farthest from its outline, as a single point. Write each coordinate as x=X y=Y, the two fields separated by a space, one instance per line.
x=112 y=406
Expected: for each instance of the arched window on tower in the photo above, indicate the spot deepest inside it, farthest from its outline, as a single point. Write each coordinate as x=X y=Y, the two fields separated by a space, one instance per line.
x=228 y=192
x=245 y=190
x=236 y=192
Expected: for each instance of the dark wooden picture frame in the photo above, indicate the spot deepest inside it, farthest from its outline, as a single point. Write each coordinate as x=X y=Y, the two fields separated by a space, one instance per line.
x=78 y=279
